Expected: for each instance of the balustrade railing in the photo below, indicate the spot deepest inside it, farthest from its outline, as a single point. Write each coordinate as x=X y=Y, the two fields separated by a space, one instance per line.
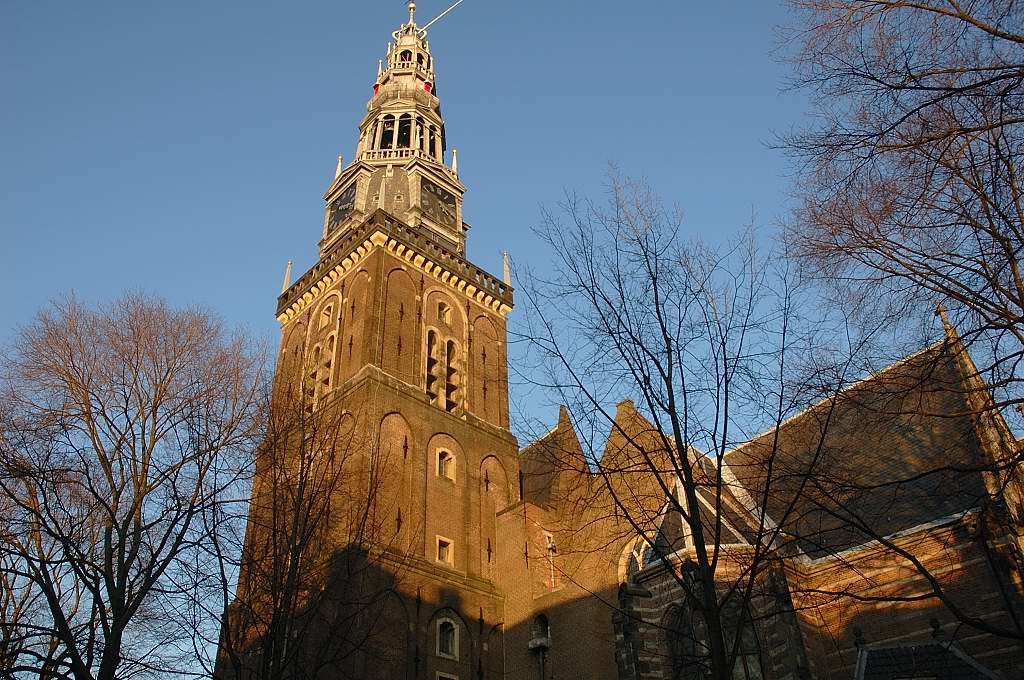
x=393 y=154
x=402 y=154
x=409 y=66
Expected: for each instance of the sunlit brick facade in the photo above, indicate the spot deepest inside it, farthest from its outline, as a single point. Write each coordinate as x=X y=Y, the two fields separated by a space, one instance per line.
x=495 y=562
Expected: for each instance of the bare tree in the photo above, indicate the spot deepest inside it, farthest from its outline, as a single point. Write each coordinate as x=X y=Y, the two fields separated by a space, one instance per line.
x=113 y=420
x=750 y=426
x=909 y=187
x=703 y=339
x=315 y=551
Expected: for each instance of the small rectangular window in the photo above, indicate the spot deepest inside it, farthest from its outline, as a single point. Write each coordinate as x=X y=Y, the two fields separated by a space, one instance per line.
x=327 y=316
x=445 y=551
x=446 y=465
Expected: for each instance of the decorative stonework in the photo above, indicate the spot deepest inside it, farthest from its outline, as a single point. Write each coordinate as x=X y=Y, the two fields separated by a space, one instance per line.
x=414 y=246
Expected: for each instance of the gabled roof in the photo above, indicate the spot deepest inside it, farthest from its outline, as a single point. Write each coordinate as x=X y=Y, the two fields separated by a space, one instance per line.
x=548 y=459
x=554 y=465
x=894 y=451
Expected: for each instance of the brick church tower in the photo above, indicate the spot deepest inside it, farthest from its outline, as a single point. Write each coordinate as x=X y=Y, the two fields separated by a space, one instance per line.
x=395 y=344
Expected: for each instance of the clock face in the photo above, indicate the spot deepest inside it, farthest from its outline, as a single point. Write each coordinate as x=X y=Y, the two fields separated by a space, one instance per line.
x=341 y=207
x=438 y=204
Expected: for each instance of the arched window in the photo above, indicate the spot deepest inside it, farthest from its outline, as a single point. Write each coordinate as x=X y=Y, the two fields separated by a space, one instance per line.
x=432 y=148
x=406 y=55
x=447 y=639
x=638 y=558
x=748 y=656
x=387 y=133
x=541 y=628
x=420 y=60
x=420 y=138
x=540 y=643
x=690 y=651
x=373 y=135
x=686 y=639
x=405 y=131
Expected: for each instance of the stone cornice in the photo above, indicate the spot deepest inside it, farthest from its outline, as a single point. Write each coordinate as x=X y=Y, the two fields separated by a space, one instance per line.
x=411 y=245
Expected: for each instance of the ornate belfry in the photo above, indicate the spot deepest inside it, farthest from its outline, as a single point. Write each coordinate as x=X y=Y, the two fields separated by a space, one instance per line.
x=399 y=165
x=395 y=331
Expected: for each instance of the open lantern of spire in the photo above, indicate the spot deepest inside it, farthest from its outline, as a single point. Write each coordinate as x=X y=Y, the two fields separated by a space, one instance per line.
x=399 y=164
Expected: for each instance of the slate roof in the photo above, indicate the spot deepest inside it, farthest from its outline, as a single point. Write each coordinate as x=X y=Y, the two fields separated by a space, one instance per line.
x=918 y=662
x=893 y=452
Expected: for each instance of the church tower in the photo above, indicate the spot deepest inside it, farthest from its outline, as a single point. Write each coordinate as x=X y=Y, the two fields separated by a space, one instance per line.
x=395 y=334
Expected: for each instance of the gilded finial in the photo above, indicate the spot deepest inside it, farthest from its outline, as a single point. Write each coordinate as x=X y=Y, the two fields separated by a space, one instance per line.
x=412 y=13
x=507 y=266
x=341 y=166
x=455 y=161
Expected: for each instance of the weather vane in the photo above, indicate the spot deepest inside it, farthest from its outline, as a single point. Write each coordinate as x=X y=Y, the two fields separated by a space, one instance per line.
x=412 y=11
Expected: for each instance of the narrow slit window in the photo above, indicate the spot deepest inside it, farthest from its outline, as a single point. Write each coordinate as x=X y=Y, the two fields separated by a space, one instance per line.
x=451 y=380
x=432 y=368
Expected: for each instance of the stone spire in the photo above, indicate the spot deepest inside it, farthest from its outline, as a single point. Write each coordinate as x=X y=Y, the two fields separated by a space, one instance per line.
x=399 y=164
x=404 y=114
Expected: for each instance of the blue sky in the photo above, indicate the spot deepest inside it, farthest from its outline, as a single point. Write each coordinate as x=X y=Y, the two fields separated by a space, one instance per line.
x=182 y=148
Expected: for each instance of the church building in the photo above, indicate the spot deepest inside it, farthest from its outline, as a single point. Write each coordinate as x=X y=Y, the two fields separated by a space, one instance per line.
x=398 y=530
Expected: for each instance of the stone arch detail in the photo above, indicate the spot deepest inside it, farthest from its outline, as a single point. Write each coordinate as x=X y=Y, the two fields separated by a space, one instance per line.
x=293 y=352
x=489 y=382
x=444 y=347
x=355 y=321
x=390 y=642
x=447 y=502
x=456 y=327
x=401 y=499
x=400 y=350
x=467 y=649
x=633 y=549
x=494 y=496
x=325 y=318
